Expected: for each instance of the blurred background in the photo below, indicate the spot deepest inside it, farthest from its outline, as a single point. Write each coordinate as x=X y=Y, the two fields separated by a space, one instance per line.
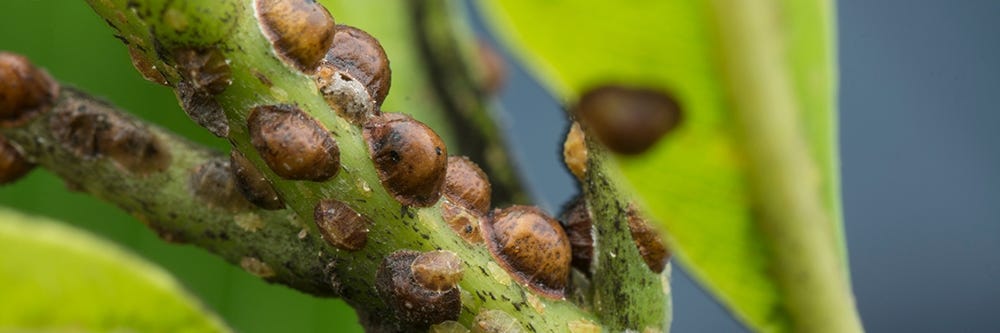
x=920 y=163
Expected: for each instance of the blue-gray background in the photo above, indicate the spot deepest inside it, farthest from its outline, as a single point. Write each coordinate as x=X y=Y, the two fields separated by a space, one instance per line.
x=920 y=147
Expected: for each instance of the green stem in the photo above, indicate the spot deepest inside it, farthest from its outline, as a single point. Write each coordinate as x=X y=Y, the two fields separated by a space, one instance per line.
x=231 y=27
x=643 y=302
x=785 y=178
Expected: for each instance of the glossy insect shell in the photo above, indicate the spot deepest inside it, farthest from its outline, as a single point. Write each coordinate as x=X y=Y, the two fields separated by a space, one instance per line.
x=437 y=270
x=647 y=239
x=467 y=184
x=293 y=144
x=532 y=247
x=340 y=225
x=360 y=55
x=301 y=31
x=415 y=307
x=580 y=231
x=252 y=184
x=411 y=160
x=13 y=165
x=25 y=90
x=628 y=120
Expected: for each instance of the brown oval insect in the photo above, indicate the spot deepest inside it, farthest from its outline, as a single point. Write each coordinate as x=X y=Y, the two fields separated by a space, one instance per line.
x=252 y=184
x=361 y=56
x=628 y=120
x=145 y=67
x=579 y=230
x=437 y=270
x=25 y=90
x=213 y=183
x=13 y=165
x=294 y=145
x=345 y=95
x=467 y=184
x=651 y=247
x=575 y=152
x=495 y=321
x=340 y=225
x=415 y=307
x=532 y=247
x=463 y=221
x=205 y=73
x=301 y=31
x=410 y=158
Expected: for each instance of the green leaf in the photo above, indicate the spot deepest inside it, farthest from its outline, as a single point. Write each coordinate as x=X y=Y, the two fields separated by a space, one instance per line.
x=746 y=188
x=54 y=277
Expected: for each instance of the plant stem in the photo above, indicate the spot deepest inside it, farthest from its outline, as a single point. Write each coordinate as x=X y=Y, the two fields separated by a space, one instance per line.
x=643 y=302
x=230 y=26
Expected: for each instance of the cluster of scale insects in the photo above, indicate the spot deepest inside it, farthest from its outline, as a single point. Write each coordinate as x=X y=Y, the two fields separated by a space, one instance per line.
x=352 y=72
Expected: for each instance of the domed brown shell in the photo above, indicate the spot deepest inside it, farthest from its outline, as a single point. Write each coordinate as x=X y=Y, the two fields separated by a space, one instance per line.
x=301 y=31
x=340 y=225
x=415 y=307
x=651 y=247
x=13 y=165
x=411 y=160
x=580 y=231
x=25 y=90
x=360 y=55
x=532 y=247
x=467 y=184
x=628 y=120
x=293 y=144
x=251 y=183
x=437 y=270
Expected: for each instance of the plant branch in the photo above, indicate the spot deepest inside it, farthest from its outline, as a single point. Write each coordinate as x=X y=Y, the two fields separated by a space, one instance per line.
x=160 y=30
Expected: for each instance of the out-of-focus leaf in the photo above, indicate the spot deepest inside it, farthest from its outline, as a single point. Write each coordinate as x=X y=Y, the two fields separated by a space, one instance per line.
x=697 y=182
x=53 y=277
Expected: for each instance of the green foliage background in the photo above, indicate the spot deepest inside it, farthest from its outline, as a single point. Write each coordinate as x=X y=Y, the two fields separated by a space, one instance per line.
x=69 y=40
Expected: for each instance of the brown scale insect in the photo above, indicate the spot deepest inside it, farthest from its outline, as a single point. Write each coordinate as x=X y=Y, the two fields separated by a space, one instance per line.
x=205 y=73
x=463 y=221
x=345 y=95
x=301 y=31
x=628 y=120
x=145 y=67
x=437 y=270
x=579 y=230
x=651 y=247
x=213 y=182
x=532 y=247
x=410 y=158
x=340 y=225
x=415 y=307
x=467 y=184
x=90 y=134
x=252 y=184
x=362 y=57
x=25 y=90
x=13 y=165
x=294 y=145
x=495 y=321
x=575 y=152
